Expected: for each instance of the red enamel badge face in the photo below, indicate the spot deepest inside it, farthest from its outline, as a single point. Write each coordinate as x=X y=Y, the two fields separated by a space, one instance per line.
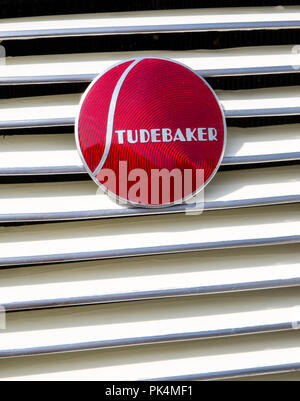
x=151 y=132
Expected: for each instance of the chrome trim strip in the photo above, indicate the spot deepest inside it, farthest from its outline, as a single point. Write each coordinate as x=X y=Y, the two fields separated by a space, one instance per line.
x=248 y=71
x=283 y=111
x=47 y=79
x=73 y=78
x=132 y=212
x=150 y=295
x=53 y=170
x=37 y=123
x=276 y=157
x=201 y=335
x=131 y=30
x=227 y=161
x=156 y=250
x=231 y=374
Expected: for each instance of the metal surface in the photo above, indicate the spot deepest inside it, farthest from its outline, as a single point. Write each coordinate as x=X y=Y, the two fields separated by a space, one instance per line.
x=62 y=109
x=154 y=277
x=117 y=238
x=195 y=20
x=85 y=67
x=169 y=320
x=81 y=200
x=213 y=358
x=238 y=373
x=213 y=296
x=56 y=153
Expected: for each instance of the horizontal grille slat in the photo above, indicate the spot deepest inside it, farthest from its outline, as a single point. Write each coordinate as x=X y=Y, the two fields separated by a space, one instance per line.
x=57 y=154
x=39 y=154
x=61 y=109
x=277 y=376
x=48 y=243
x=76 y=329
x=191 y=274
x=204 y=359
x=39 y=111
x=17 y=8
x=261 y=102
x=80 y=200
x=195 y=20
x=85 y=67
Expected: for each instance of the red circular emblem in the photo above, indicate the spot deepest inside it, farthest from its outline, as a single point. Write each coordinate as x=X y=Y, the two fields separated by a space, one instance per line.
x=151 y=132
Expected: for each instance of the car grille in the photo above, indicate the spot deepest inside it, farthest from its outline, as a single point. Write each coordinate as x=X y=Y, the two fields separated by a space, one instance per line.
x=156 y=293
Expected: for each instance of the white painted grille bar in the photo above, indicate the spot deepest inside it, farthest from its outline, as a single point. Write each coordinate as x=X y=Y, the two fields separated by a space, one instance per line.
x=212 y=359
x=61 y=110
x=86 y=240
x=56 y=153
x=162 y=21
x=85 y=67
x=79 y=200
x=163 y=321
x=151 y=277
